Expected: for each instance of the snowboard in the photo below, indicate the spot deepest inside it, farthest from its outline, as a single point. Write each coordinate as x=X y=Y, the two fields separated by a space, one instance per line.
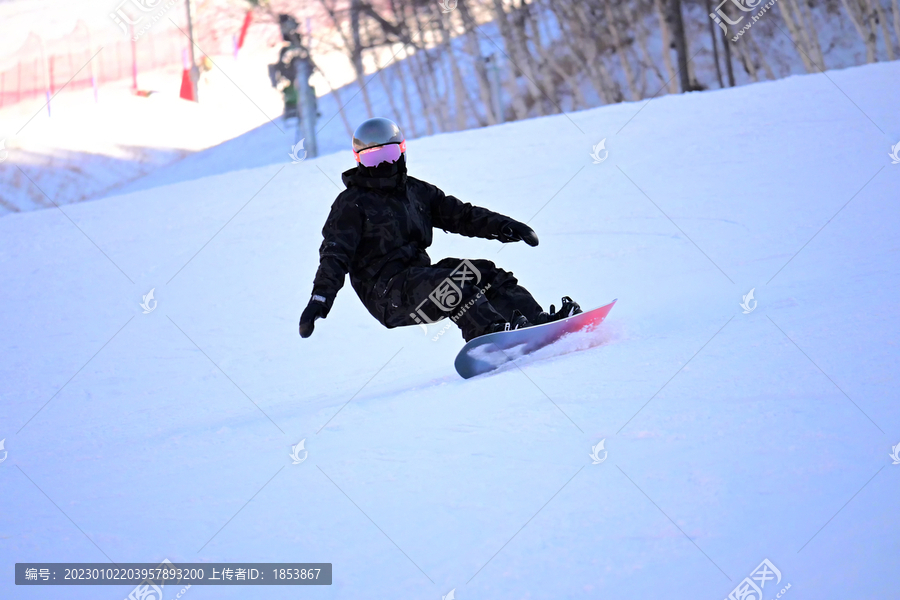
x=488 y=352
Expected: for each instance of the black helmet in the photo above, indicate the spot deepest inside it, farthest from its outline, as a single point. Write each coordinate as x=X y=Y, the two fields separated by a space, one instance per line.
x=376 y=132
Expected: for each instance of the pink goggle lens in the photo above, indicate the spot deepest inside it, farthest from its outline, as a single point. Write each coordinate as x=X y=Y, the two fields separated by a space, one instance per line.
x=372 y=157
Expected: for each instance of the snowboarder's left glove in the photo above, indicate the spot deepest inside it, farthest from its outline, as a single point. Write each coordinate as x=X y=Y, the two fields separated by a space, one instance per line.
x=518 y=232
x=316 y=309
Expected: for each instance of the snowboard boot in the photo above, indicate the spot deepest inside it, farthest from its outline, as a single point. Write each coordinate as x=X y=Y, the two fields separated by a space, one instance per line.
x=518 y=321
x=567 y=309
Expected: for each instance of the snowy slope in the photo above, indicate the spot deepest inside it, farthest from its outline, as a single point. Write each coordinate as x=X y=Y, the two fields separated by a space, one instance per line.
x=731 y=437
x=89 y=148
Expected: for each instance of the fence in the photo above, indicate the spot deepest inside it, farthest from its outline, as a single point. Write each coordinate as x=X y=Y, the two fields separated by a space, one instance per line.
x=40 y=69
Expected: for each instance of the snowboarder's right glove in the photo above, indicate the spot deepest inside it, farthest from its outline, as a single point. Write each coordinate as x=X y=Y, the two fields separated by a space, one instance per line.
x=316 y=309
x=518 y=232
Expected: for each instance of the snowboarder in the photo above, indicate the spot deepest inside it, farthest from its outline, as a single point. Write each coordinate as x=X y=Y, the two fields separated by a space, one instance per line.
x=378 y=231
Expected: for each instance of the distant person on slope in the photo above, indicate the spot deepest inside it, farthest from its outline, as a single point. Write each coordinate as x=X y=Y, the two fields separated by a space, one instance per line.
x=378 y=231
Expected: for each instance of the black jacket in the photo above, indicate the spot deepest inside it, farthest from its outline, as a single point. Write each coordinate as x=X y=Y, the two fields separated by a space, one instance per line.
x=382 y=224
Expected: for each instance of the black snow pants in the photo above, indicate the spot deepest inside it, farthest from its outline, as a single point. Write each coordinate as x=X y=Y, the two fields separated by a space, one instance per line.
x=475 y=294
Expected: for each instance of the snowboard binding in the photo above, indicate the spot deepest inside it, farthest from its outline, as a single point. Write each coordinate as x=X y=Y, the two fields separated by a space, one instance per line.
x=518 y=321
x=568 y=308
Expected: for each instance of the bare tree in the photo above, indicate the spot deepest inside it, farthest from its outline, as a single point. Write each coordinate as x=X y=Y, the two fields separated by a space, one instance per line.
x=571 y=52
x=679 y=42
x=474 y=50
x=715 y=48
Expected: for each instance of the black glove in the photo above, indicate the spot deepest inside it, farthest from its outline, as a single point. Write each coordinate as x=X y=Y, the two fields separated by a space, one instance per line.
x=316 y=309
x=518 y=232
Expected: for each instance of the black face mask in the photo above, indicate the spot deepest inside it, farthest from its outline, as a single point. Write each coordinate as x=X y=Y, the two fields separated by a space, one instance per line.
x=384 y=170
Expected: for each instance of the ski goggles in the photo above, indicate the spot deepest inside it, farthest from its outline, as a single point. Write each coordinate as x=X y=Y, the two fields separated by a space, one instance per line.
x=372 y=157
